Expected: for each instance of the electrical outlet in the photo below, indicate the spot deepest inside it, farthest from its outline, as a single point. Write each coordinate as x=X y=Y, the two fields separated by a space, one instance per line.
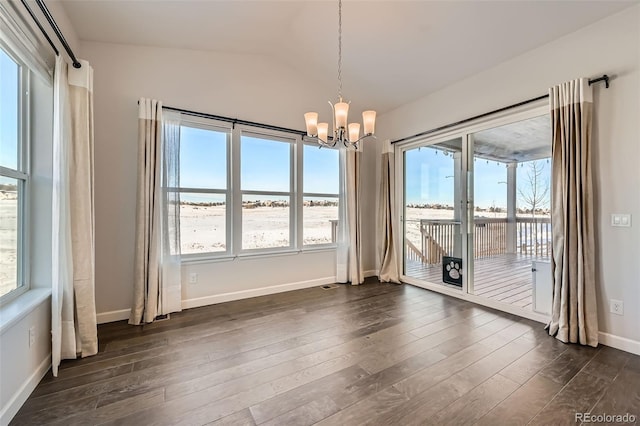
x=616 y=307
x=193 y=278
x=32 y=335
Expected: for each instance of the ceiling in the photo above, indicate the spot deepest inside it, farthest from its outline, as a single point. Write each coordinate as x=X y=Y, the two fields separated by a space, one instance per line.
x=393 y=51
x=524 y=140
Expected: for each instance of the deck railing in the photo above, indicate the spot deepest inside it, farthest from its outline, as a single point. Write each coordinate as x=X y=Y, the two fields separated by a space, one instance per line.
x=533 y=236
x=438 y=238
x=491 y=237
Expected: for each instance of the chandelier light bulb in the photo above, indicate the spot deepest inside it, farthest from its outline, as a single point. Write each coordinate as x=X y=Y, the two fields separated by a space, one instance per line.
x=369 y=121
x=342 y=112
x=311 y=119
x=354 y=132
x=323 y=131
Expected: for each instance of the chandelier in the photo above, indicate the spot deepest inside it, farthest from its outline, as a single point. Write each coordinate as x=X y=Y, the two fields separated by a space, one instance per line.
x=348 y=135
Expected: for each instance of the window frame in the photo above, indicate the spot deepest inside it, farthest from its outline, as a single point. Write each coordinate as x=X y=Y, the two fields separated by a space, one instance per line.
x=234 y=192
x=23 y=176
x=222 y=127
x=303 y=194
x=281 y=137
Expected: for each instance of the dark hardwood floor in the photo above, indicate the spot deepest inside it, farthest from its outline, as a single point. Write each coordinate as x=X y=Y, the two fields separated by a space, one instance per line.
x=377 y=354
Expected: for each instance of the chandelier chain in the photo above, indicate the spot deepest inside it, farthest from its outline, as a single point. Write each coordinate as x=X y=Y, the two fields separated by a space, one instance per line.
x=340 y=50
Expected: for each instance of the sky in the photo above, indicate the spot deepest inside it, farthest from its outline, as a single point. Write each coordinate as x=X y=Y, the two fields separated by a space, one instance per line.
x=265 y=165
x=8 y=112
x=429 y=176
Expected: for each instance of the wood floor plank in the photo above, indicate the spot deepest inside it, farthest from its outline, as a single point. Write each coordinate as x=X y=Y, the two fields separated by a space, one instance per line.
x=567 y=365
x=623 y=395
x=326 y=386
x=523 y=404
x=307 y=414
x=467 y=409
x=607 y=363
x=239 y=418
x=371 y=407
x=116 y=410
x=578 y=396
x=523 y=369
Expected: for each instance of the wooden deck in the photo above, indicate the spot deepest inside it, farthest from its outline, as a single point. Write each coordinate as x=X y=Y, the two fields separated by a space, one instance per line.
x=506 y=278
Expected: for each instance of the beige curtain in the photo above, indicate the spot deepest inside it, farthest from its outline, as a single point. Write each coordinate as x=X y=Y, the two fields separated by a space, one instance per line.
x=81 y=177
x=73 y=308
x=157 y=289
x=389 y=269
x=349 y=251
x=574 y=316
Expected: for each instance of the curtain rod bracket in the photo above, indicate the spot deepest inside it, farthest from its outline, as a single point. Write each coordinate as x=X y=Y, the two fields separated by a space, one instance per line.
x=604 y=78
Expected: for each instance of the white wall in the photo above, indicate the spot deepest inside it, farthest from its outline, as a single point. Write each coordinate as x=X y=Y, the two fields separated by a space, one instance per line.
x=609 y=46
x=23 y=365
x=248 y=87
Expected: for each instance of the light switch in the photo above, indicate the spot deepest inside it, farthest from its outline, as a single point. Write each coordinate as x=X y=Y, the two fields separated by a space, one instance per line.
x=622 y=220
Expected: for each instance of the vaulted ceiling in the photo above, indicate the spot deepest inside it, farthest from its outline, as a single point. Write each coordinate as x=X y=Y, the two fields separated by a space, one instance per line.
x=393 y=51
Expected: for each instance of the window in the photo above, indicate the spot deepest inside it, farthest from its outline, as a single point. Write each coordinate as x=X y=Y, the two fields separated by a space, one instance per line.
x=265 y=182
x=320 y=202
x=204 y=194
x=13 y=177
x=246 y=192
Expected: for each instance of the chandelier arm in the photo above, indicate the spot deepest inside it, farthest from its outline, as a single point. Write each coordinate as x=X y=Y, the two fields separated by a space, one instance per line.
x=333 y=114
x=355 y=144
x=315 y=138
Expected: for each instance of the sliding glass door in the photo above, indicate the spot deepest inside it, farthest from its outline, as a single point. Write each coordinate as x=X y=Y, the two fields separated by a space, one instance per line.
x=475 y=213
x=433 y=212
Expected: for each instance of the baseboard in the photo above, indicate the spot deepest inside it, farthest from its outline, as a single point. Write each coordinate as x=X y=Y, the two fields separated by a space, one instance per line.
x=245 y=294
x=113 y=316
x=20 y=397
x=123 y=314
x=622 y=343
x=371 y=273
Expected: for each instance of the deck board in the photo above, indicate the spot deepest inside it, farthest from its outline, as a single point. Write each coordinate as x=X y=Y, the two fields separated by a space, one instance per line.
x=505 y=278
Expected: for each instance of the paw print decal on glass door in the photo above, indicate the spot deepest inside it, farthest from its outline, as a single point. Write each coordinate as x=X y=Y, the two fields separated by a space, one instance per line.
x=452 y=270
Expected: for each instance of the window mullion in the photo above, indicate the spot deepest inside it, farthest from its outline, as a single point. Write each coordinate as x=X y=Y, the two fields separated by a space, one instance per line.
x=299 y=188
x=236 y=193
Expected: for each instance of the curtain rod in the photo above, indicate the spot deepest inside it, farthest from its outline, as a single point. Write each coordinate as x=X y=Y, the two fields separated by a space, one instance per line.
x=42 y=30
x=604 y=78
x=235 y=121
x=56 y=30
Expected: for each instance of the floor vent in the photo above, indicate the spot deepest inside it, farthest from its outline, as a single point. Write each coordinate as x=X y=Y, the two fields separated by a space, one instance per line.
x=163 y=317
x=329 y=286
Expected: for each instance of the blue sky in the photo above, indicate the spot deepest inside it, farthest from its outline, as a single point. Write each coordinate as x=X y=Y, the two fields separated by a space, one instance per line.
x=429 y=179
x=8 y=112
x=265 y=164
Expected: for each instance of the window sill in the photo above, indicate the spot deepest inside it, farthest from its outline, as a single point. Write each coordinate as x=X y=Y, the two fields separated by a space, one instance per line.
x=21 y=306
x=314 y=249
x=206 y=259
x=255 y=255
